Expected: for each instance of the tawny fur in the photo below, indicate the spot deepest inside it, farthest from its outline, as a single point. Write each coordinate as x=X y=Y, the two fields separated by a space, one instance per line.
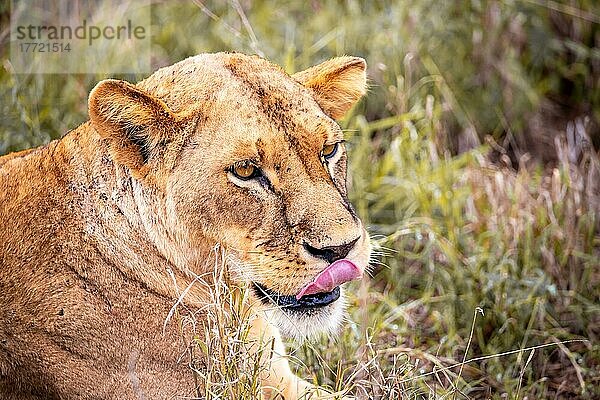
x=94 y=227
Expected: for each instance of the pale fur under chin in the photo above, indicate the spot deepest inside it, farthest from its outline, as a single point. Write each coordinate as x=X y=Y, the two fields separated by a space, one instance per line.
x=310 y=324
x=298 y=326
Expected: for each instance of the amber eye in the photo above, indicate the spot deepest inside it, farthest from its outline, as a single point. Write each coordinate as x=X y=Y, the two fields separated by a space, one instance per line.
x=329 y=150
x=245 y=170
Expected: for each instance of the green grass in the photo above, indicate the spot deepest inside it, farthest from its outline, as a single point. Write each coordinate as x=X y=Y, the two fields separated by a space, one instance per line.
x=471 y=162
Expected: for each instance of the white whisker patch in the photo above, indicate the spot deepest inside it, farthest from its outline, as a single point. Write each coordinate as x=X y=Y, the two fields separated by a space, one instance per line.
x=300 y=325
x=309 y=324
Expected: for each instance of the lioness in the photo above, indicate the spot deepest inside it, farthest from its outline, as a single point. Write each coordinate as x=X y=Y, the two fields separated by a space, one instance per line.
x=100 y=228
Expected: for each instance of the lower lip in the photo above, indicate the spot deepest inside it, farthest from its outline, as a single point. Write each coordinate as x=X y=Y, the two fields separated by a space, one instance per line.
x=291 y=303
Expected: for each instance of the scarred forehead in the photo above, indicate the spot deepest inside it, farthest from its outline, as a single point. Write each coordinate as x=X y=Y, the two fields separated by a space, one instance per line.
x=241 y=83
x=263 y=109
x=252 y=106
x=282 y=103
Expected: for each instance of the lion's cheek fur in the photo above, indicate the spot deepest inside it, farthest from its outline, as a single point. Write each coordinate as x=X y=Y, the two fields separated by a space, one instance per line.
x=207 y=213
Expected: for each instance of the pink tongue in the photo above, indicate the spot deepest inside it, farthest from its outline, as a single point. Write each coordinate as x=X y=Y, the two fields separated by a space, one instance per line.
x=334 y=275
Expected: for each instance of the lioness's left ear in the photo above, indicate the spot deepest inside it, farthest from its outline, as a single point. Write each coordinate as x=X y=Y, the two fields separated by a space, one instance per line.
x=336 y=84
x=134 y=123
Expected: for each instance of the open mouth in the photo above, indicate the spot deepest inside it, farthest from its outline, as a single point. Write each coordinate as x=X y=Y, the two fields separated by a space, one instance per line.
x=316 y=300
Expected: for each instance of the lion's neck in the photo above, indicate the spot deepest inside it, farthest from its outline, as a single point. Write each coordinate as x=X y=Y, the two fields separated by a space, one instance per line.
x=127 y=222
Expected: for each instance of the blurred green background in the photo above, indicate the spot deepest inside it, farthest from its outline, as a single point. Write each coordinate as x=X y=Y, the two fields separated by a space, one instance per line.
x=474 y=162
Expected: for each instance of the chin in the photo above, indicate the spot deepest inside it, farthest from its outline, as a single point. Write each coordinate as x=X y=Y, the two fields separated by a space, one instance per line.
x=307 y=318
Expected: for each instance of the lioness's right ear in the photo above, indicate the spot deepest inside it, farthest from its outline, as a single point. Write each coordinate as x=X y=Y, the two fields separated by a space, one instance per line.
x=134 y=123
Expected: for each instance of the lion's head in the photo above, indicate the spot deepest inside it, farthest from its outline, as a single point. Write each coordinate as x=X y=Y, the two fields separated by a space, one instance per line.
x=229 y=149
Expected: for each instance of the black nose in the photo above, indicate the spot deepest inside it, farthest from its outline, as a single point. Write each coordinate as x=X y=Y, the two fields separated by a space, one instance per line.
x=331 y=253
